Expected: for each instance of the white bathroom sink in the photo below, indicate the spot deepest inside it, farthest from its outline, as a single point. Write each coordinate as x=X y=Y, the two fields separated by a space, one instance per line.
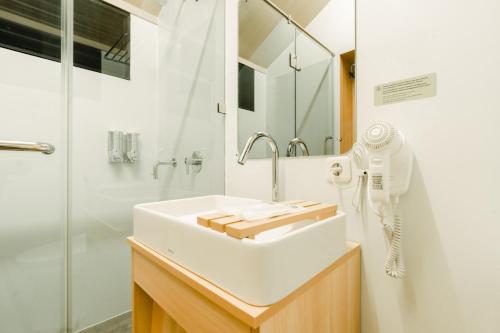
x=259 y=271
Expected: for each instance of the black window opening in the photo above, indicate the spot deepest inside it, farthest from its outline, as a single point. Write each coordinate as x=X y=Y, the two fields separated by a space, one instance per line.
x=101 y=33
x=246 y=88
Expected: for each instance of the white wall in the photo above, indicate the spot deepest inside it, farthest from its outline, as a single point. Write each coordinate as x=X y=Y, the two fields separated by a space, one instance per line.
x=335 y=26
x=451 y=228
x=451 y=233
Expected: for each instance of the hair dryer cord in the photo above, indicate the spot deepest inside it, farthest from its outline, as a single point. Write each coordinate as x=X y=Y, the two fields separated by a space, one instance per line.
x=394 y=265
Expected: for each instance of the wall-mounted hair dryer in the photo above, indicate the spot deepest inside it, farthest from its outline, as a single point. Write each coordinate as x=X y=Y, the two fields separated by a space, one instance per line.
x=390 y=164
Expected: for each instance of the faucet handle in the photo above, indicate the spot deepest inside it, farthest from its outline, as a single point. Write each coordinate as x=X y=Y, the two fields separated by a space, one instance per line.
x=195 y=162
x=187 y=163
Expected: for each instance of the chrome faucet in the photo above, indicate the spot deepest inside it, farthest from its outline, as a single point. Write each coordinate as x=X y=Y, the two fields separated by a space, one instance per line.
x=274 y=148
x=172 y=162
x=294 y=143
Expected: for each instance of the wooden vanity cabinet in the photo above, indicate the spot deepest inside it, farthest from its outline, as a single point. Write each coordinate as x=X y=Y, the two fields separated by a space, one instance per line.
x=169 y=298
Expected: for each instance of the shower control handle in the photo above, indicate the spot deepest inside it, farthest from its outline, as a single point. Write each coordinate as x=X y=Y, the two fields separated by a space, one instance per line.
x=39 y=147
x=195 y=162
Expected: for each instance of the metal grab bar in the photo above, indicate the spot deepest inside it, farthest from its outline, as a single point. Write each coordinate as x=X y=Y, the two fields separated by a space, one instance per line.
x=40 y=147
x=291 y=20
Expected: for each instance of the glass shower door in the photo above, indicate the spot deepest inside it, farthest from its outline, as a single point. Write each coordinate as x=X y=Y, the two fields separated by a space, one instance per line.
x=114 y=89
x=315 y=108
x=161 y=83
x=191 y=86
x=32 y=181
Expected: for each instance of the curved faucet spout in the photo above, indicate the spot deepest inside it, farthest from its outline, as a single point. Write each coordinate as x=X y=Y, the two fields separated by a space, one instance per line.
x=297 y=142
x=274 y=149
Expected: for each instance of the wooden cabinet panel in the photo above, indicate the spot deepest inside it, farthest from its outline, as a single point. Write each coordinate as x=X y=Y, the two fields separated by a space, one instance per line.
x=347 y=101
x=330 y=306
x=170 y=299
x=188 y=308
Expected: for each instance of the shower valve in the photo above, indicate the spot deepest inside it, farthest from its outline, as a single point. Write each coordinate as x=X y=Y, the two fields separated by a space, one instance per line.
x=195 y=162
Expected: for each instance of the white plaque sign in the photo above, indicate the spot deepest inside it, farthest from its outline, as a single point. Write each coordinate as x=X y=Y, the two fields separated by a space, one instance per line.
x=423 y=86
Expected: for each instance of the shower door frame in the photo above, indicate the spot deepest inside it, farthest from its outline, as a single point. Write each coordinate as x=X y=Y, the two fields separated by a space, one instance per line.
x=67 y=22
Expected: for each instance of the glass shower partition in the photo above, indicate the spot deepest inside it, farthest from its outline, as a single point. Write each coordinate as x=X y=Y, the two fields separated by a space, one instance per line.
x=112 y=151
x=157 y=84
x=33 y=183
x=115 y=94
x=191 y=98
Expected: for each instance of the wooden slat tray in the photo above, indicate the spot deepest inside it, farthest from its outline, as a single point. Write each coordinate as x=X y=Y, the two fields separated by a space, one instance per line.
x=239 y=228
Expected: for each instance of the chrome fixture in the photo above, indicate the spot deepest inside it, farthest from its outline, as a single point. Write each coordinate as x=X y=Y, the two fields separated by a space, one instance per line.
x=123 y=147
x=172 y=162
x=132 y=147
x=39 y=147
x=274 y=149
x=195 y=162
x=294 y=62
x=290 y=151
x=325 y=144
x=221 y=108
x=115 y=146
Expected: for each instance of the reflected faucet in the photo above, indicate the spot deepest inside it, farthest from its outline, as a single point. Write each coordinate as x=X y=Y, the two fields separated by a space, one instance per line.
x=294 y=143
x=274 y=148
x=325 y=145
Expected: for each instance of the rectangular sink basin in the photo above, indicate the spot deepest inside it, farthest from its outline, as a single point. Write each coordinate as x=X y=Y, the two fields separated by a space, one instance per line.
x=258 y=271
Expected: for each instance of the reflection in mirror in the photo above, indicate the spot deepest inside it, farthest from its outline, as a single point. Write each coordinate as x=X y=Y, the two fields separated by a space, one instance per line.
x=292 y=86
x=314 y=97
x=264 y=56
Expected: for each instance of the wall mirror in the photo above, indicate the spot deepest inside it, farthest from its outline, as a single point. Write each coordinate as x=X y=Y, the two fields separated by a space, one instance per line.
x=290 y=84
